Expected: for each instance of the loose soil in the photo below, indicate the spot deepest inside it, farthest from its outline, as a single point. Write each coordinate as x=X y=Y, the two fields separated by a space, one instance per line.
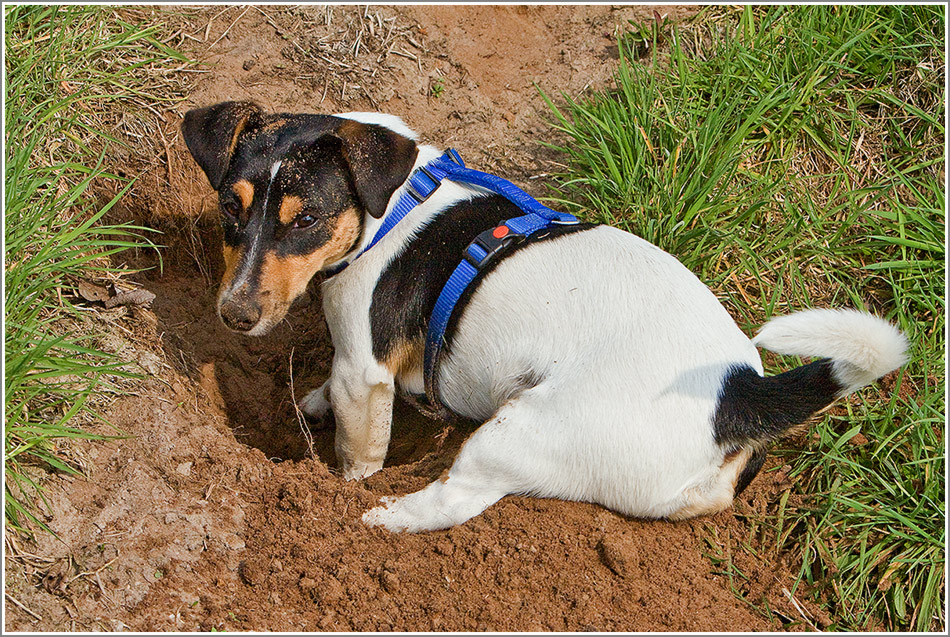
x=223 y=510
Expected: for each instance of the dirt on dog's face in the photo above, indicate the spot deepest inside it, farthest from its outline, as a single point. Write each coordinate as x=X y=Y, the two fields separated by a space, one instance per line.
x=293 y=192
x=283 y=220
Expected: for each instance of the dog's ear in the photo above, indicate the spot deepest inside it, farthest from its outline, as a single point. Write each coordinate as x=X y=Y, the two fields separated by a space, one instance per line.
x=212 y=132
x=379 y=161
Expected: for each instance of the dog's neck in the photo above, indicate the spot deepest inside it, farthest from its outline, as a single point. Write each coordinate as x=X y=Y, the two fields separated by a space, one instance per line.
x=418 y=217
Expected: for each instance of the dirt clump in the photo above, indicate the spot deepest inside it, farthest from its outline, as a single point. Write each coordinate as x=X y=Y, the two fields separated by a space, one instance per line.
x=224 y=510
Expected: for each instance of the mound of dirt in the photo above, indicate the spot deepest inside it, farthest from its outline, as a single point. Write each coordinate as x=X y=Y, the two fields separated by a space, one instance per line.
x=224 y=510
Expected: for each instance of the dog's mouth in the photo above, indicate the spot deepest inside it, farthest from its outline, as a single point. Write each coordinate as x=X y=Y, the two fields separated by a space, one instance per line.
x=243 y=320
x=246 y=312
x=265 y=323
x=261 y=328
x=252 y=310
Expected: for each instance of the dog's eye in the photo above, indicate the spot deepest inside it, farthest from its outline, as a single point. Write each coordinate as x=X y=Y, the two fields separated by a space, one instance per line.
x=304 y=221
x=231 y=209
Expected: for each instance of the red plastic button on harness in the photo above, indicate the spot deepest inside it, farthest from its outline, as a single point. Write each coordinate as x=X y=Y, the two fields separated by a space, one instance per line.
x=500 y=232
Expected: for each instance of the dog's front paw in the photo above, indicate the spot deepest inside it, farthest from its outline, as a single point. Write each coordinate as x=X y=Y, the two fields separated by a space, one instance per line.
x=360 y=470
x=315 y=403
x=444 y=503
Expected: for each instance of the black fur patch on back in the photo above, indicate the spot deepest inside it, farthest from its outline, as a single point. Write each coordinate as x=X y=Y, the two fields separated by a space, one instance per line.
x=757 y=408
x=408 y=288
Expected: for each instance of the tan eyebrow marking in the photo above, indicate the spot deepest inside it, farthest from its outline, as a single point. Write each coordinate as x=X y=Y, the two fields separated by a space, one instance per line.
x=277 y=123
x=245 y=191
x=290 y=207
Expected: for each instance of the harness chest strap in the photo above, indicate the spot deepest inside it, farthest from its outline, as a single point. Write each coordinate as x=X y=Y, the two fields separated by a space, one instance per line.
x=486 y=248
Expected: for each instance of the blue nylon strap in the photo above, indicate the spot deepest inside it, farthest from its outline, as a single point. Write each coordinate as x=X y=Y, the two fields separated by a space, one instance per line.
x=422 y=183
x=503 y=187
x=453 y=290
x=538 y=218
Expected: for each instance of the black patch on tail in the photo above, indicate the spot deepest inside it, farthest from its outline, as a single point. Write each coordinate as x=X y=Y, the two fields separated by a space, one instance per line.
x=755 y=408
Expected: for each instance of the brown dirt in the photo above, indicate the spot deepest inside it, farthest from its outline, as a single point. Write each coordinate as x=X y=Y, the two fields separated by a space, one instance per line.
x=214 y=513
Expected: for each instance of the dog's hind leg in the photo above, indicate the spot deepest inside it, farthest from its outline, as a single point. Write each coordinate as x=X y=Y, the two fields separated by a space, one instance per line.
x=316 y=403
x=503 y=456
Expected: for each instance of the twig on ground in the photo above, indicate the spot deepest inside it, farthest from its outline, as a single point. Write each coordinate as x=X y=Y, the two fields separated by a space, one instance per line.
x=799 y=608
x=403 y=54
x=270 y=21
x=21 y=606
x=95 y=572
x=229 y=28
x=300 y=419
x=168 y=157
x=735 y=279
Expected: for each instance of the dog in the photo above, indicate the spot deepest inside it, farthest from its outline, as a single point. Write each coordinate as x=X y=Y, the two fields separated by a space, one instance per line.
x=602 y=370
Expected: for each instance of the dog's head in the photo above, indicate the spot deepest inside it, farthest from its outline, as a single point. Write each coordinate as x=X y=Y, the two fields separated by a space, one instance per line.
x=294 y=191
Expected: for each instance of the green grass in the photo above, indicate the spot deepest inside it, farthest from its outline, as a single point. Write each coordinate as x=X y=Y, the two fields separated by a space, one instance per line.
x=793 y=157
x=65 y=68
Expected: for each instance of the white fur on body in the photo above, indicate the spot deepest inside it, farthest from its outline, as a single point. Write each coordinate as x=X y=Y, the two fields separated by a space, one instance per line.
x=596 y=361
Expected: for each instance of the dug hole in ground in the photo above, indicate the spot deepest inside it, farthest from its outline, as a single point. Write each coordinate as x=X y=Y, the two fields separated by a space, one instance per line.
x=220 y=512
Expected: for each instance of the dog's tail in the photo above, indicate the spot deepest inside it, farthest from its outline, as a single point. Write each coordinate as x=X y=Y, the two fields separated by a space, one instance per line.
x=854 y=349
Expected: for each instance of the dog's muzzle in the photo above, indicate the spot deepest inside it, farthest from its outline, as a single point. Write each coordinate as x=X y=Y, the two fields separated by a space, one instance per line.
x=239 y=311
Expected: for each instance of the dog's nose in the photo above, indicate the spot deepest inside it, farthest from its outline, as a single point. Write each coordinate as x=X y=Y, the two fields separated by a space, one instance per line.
x=239 y=313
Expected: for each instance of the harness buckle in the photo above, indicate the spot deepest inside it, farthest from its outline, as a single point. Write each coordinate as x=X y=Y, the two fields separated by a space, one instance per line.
x=452 y=155
x=415 y=184
x=488 y=244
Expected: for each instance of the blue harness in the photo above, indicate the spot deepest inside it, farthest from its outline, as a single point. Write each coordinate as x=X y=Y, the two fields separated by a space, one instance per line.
x=483 y=250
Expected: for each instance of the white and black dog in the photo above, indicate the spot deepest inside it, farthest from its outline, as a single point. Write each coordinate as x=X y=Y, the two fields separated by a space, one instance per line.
x=601 y=368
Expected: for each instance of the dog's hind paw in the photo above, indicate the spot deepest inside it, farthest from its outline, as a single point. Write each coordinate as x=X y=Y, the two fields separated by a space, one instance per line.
x=315 y=403
x=398 y=515
x=439 y=506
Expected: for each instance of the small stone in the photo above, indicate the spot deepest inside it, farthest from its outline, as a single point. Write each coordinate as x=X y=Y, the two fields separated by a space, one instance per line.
x=189 y=598
x=445 y=548
x=251 y=573
x=150 y=363
x=233 y=542
x=248 y=64
x=390 y=581
x=332 y=591
x=619 y=554
x=184 y=468
x=327 y=590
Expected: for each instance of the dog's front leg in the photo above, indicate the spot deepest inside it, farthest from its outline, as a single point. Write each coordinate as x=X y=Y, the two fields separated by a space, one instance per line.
x=362 y=403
